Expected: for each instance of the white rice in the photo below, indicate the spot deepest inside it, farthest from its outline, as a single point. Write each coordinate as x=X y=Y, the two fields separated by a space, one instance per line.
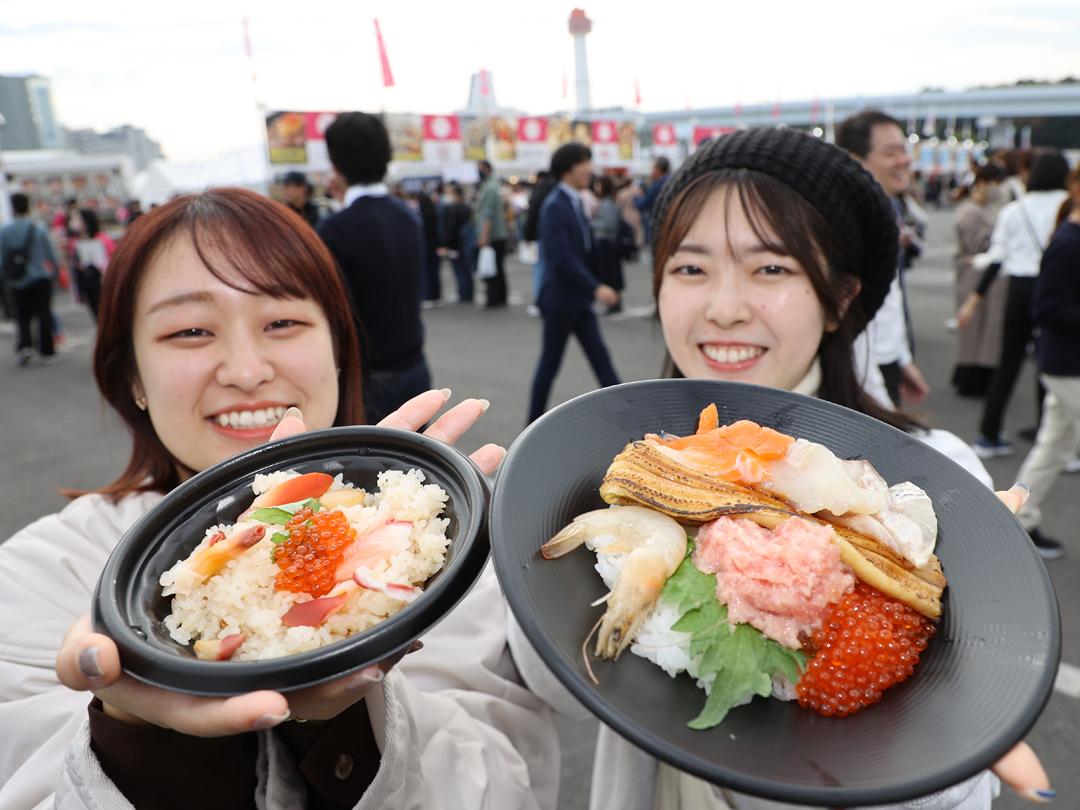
x=667 y=648
x=241 y=598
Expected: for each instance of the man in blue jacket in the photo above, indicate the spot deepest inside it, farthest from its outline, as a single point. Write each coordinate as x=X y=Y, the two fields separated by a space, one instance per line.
x=646 y=200
x=569 y=287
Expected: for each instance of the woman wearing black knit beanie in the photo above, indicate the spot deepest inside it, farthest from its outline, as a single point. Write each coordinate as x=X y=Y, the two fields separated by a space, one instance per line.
x=772 y=252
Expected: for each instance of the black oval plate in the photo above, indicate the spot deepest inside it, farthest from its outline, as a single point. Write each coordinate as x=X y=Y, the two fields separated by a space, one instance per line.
x=979 y=687
x=128 y=605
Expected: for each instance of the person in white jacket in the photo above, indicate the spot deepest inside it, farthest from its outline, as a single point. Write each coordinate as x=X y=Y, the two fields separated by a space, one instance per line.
x=773 y=249
x=220 y=316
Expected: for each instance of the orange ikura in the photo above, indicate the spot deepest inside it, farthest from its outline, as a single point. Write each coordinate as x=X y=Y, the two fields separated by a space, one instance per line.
x=867 y=644
x=316 y=546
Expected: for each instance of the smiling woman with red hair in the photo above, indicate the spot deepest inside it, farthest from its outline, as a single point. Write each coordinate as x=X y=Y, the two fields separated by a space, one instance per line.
x=223 y=318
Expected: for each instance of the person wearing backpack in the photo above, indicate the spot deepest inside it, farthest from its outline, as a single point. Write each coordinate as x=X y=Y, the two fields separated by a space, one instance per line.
x=25 y=251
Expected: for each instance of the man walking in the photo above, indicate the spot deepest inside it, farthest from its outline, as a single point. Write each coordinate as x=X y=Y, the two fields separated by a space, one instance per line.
x=24 y=251
x=378 y=245
x=646 y=200
x=878 y=142
x=569 y=285
x=492 y=232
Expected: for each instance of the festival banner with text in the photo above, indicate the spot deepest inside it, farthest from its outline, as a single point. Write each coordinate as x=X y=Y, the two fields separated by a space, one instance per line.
x=442 y=140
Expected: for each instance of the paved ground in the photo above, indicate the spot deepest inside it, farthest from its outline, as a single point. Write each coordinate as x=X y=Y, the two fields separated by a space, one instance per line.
x=56 y=433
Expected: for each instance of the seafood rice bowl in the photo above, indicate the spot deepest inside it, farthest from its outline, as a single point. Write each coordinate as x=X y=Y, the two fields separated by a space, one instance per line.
x=312 y=561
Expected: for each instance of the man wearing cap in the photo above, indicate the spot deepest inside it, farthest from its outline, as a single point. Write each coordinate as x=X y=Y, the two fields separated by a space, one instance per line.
x=877 y=141
x=296 y=190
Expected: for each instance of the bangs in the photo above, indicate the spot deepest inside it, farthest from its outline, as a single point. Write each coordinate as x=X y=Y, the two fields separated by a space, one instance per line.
x=759 y=214
x=244 y=252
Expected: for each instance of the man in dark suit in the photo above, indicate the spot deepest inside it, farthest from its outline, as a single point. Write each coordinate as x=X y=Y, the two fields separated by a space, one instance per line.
x=379 y=247
x=569 y=287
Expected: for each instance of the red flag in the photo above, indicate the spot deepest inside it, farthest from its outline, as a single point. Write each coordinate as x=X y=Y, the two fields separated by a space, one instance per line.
x=637 y=92
x=384 y=60
x=776 y=110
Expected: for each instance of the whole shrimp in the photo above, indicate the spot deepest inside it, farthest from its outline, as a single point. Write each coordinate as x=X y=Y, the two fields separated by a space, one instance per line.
x=654 y=545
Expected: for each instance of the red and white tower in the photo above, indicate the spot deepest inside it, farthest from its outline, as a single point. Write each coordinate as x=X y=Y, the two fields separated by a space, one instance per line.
x=580 y=25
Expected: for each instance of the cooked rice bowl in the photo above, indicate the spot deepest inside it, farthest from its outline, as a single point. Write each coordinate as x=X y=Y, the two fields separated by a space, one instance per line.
x=293 y=575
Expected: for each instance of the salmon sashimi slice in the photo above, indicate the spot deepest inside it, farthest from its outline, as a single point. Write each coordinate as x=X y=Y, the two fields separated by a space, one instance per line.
x=740 y=452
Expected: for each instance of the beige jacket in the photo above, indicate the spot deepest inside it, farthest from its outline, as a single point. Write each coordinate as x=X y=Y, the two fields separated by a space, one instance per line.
x=455 y=727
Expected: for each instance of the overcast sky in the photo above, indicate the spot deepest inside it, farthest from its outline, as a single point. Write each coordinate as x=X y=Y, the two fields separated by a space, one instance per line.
x=179 y=69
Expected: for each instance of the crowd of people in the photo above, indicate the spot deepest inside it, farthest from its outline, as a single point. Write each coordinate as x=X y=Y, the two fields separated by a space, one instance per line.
x=776 y=259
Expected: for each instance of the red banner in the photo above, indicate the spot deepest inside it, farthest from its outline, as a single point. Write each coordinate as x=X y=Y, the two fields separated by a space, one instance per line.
x=664 y=134
x=532 y=130
x=315 y=124
x=605 y=132
x=442 y=128
x=702 y=134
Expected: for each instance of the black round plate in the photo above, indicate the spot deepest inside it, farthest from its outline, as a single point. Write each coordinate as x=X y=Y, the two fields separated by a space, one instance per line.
x=979 y=687
x=128 y=605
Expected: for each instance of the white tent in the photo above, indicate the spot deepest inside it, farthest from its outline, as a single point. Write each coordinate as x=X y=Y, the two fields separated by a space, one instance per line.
x=164 y=179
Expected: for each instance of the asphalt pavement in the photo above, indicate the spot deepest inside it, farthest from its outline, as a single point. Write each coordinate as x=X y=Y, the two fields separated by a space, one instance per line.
x=56 y=433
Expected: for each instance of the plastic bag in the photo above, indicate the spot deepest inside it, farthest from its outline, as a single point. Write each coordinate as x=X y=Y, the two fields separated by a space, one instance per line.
x=485 y=263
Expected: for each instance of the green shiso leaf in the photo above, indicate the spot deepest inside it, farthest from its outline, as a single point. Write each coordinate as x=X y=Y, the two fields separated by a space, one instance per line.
x=272 y=515
x=311 y=503
x=279 y=537
x=739 y=661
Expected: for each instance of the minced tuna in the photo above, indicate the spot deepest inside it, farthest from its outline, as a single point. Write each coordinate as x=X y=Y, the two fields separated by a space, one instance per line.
x=781 y=581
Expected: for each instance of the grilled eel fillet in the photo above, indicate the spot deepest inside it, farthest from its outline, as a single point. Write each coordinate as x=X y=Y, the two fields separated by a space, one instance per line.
x=642 y=475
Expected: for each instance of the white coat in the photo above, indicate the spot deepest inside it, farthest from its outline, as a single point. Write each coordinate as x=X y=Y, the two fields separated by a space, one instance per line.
x=455 y=727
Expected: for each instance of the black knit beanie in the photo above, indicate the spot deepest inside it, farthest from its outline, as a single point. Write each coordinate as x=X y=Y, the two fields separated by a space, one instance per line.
x=832 y=181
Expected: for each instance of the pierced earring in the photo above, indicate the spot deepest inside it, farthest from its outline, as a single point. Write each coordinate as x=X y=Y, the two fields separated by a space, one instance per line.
x=140 y=403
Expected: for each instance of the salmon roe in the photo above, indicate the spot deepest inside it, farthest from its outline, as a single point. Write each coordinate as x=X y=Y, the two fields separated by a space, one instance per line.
x=310 y=557
x=866 y=644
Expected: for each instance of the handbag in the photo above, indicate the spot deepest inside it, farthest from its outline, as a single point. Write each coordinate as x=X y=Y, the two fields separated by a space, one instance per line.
x=485 y=263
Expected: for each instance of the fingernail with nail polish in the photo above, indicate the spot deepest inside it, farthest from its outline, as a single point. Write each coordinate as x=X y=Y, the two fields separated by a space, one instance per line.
x=417 y=646
x=293 y=412
x=365 y=680
x=1020 y=486
x=269 y=720
x=1041 y=796
x=89 y=664
x=446 y=392
x=484 y=404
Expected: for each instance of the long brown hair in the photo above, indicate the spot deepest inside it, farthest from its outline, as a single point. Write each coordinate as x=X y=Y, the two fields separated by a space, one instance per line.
x=787 y=224
x=268 y=248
